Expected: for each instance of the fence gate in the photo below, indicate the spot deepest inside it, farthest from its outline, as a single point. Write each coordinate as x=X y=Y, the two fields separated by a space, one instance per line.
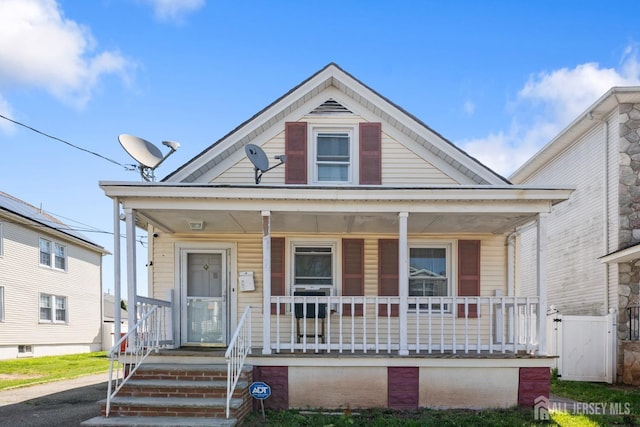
x=585 y=346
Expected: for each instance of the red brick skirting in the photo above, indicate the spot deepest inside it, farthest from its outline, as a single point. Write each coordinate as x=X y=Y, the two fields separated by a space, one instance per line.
x=403 y=387
x=534 y=382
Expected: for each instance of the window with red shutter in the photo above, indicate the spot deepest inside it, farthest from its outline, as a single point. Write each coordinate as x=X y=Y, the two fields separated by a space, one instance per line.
x=388 y=273
x=468 y=274
x=295 y=146
x=352 y=272
x=370 y=153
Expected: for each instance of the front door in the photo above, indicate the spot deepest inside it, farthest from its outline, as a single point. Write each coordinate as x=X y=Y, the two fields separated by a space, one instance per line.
x=204 y=312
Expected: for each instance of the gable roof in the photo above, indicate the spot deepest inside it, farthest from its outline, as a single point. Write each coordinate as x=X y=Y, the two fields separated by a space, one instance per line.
x=592 y=116
x=294 y=104
x=38 y=217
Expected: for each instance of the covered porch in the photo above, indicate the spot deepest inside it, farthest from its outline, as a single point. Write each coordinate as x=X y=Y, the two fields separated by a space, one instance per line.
x=495 y=322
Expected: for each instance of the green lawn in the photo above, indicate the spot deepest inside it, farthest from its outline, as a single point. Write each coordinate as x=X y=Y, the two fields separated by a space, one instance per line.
x=22 y=372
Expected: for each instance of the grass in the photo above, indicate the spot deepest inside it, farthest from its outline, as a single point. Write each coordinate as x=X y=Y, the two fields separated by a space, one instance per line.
x=23 y=372
x=624 y=399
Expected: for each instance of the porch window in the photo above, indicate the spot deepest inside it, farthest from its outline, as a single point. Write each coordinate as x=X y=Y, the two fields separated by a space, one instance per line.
x=313 y=268
x=333 y=157
x=53 y=308
x=429 y=274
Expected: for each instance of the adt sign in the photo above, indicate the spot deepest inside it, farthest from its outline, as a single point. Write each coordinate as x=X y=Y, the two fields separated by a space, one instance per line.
x=259 y=390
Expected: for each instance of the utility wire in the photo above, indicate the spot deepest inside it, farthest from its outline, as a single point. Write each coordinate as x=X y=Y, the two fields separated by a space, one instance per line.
x=65 y=142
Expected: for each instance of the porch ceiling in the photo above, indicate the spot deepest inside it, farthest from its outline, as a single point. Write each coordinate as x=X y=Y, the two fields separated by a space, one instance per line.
x=215 y=222
x=238 y=209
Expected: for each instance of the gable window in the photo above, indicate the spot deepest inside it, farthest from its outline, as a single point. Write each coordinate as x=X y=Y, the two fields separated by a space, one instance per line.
x=53 y=254
x=313 y=268
x=333 y=156
x=53 y=308
x=429 y=273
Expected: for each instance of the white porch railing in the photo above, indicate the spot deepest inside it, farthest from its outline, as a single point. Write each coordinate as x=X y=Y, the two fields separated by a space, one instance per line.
x=236 y=354
x=440 y=325
x=150 y=333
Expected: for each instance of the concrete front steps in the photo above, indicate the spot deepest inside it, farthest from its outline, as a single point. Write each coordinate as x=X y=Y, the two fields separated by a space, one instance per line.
x=172 y=394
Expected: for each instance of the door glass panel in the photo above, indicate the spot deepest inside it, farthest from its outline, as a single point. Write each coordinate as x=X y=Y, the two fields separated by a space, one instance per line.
x=206 y=298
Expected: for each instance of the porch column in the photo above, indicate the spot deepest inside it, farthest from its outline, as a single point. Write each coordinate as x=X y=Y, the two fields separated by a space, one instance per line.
x=117 y=291
x=266 y=282
x=132 y=289
x=403 y=278
x=541 y=280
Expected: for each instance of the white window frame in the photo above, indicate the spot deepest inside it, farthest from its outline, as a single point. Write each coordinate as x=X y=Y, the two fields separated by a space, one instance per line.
x=449 y=247
x=53 y=254
x=25 y=350
x=335 y=267
x=351 y=132
x=1 y=239
x=1 y=303
x=54 y=299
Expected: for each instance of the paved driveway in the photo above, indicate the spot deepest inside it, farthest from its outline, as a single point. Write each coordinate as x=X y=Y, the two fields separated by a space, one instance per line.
x=60 y=403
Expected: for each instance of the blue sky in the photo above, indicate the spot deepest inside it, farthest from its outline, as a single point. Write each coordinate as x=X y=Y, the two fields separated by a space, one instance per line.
x=497 y=78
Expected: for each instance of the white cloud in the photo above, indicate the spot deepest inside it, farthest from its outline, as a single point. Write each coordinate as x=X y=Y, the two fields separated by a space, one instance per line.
x=547 y=103
x=40 y=48
x=173 y=10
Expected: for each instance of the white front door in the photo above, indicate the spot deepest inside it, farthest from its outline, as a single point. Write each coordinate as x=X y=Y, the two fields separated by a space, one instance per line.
x=204 y=301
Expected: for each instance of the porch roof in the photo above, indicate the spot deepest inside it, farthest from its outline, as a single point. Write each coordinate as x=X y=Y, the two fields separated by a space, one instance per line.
x=346 y=209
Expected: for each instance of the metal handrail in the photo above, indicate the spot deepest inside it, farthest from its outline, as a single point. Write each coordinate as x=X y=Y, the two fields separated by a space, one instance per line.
x=236 y=354
x=146 y=336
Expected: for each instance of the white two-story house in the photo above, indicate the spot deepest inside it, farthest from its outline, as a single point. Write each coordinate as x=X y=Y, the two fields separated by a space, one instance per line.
x=50 y=284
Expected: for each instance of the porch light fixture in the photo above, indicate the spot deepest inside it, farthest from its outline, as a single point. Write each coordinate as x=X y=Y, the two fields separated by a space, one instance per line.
x=196 y=225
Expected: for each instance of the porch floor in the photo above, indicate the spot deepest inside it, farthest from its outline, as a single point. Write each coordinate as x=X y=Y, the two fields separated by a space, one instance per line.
x=219 y=352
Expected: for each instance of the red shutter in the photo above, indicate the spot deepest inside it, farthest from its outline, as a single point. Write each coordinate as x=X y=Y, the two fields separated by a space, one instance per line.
x=295 y=148
x=277 y=271
x=388 y=272
x=370 y=153
x=352 y=272
x=468 y=273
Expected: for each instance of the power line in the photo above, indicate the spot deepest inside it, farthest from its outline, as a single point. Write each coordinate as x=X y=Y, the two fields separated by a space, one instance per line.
x=65 y=142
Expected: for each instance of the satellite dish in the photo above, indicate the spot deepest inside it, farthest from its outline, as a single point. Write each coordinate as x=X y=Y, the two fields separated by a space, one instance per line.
x=260 y=161
x=148 y=156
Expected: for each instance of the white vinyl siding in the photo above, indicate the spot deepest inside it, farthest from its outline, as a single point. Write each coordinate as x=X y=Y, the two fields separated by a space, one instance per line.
x=1 y=240
x=1 y=303
x=576 y=277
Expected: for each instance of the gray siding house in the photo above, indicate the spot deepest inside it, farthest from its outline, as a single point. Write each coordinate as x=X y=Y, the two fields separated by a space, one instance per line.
x=50 y=284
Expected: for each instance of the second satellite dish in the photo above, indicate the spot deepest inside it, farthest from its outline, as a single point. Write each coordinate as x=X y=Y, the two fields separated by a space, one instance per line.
x=260 y=161
x=148 y=156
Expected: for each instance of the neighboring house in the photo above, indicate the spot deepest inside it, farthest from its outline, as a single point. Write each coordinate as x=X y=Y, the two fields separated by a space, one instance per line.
x=50 y=284
x=394 y=238
x=109 y=307
x=593 y=240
